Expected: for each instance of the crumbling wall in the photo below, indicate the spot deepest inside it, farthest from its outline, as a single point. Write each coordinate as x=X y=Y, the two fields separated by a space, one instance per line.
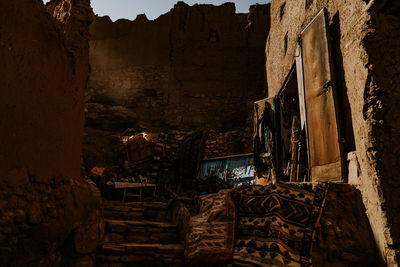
x=365 y=39
x=44 y=69
x=381 y=114
x=195 y=67
x=344 y=236
x=220 y=144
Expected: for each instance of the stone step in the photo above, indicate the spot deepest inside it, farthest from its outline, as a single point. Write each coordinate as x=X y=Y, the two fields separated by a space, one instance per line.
x=132 y=204
x=118 y=210
x=133 y=254
x=120 y=231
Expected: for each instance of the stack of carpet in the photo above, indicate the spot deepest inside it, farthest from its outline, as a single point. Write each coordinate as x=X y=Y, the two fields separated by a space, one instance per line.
x=269 y=225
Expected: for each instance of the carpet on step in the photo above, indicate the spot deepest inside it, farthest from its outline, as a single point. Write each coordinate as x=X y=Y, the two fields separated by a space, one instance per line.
x=211 y=233
x=276 y=223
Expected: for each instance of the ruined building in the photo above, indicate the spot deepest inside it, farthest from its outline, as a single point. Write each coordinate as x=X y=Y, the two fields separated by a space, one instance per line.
x=203 y=137
x=176 y=72
x=364 y=66
x=46 y=207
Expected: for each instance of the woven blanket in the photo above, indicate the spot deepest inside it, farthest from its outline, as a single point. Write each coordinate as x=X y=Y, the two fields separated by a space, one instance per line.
x=276 y=224
x=211 y=233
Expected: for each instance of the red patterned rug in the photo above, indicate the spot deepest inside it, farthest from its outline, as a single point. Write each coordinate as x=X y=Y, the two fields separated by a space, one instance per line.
x=276 y=223
x=211 y=232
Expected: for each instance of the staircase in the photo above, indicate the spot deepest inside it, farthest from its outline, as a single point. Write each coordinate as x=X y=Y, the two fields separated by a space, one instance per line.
x=139 y=234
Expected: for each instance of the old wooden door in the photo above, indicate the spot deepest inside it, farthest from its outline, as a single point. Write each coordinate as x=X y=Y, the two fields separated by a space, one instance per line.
x=318 y=100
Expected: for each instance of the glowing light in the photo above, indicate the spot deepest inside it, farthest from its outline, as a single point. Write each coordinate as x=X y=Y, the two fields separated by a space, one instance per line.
x=145 y=136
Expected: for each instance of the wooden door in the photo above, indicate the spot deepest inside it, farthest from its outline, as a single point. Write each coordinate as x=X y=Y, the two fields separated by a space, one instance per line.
x=325 y=148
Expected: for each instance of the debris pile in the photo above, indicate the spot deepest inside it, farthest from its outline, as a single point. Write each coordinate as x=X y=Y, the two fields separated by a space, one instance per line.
x=168 y=160
x=228 y=143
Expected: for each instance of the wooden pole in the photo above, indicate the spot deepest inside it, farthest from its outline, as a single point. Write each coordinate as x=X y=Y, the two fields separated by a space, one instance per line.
x=295 y=138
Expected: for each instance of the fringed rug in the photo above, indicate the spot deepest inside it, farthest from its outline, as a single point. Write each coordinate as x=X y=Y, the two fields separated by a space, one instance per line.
x=211 y=233
x=276 y=224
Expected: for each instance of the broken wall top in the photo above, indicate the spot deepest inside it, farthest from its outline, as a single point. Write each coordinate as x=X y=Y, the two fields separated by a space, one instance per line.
x=194 y=67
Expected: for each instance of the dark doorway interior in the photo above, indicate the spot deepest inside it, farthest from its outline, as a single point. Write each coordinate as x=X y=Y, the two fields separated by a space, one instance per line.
x=292 y=165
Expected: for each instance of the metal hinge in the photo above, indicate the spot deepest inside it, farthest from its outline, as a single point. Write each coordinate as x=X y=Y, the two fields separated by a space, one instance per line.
x=325 y=88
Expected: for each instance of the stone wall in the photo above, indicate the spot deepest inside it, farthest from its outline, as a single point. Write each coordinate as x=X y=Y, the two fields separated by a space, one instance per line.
x=45 y=208
x=343 y=235
x=220 y=144
x=365 y=42
x=194 y=67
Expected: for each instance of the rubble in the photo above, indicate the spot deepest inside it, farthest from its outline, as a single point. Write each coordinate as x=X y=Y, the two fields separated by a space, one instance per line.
x=220 y=144
x=157 y=158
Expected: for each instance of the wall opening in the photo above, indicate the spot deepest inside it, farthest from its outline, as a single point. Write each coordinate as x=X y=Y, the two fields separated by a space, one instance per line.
x=282 y=10
x=280 y=144
x=292 y=145
x=285 y=42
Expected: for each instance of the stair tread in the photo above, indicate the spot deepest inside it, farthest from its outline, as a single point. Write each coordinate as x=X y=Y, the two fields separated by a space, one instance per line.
x=123 y=247
x=131 y=229
x=121 y=208
x=174 y=246
x=140 y=223
x=159 y=205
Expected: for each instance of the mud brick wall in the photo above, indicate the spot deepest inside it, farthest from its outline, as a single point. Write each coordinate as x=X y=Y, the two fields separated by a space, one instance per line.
x=365 y=43
x=344 y=236
x=47 y=213
x=235 y=142
x=194 y=67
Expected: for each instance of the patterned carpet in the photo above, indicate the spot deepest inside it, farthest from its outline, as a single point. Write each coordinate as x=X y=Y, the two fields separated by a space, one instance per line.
x=211 y=233
x=276 y=224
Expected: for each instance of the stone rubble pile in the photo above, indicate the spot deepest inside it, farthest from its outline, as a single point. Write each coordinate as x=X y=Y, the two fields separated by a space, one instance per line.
x=219 y=144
